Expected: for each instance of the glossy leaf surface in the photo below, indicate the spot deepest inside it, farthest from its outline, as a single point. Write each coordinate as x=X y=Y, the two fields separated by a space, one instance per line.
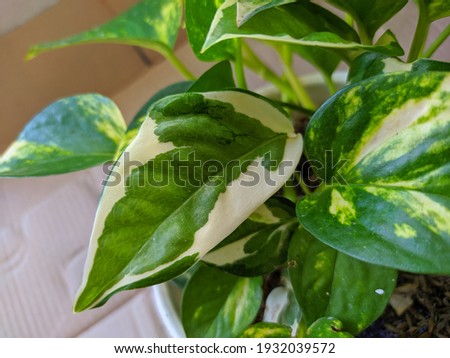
x=199 y=15
x=247 y=9
x=259 y=245
x=329 y=283
x=150 y=24
x=299 y=24
x=217 y=304
x=398 y=168
x=370 y=14
x=372 y=64
x=199 y=166
x=71 y=134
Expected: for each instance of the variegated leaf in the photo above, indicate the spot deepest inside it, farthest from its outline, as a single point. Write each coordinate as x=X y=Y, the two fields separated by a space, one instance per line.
x=217 y=304
x=327 y=327
x=202 y=163
x=382 y=148
x=199 y=15
x=267 y=330
x=372 y=64
x=150 y=24
x=218 y=77
x=301 y=23
x=370 y=15
x=329 y=283
x=259 y=245
x=246 y=9
x=71 y=134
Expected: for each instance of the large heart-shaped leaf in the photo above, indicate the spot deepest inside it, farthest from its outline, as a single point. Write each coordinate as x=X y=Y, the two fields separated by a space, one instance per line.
x=202 y=163
x=372 y=64
x=370 y=15
x=71 y=134
x=297 y=23
x=199 y=16
x=381 y=146
x=329 y=283
x=259 y=245
x=150 y=24
x=217 y=304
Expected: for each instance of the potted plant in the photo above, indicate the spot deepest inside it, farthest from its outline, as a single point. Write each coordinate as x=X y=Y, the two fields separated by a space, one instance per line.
x=220 y=182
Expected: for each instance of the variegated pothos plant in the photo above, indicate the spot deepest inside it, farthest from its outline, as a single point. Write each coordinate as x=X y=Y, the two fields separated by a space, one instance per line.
x=204 y=179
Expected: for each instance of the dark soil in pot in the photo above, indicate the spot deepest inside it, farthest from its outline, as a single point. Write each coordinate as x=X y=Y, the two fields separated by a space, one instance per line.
x=419 y=308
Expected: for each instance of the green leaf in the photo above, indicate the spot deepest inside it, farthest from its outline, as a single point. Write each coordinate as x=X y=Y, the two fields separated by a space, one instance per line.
x=218 y=77
x=201 y=164
x=297 y=23
x=138 y=119
x=325 y=60
x=370 y=15
x=327 y=327
x=150 y=24
x=247 y=9
x=329 y=283
x=267 y=330
x=259 y=245
x=199 y=15
x=437 y=9
x=71 y=134
x=398 y=168
x=217 y=304
x=372 y=64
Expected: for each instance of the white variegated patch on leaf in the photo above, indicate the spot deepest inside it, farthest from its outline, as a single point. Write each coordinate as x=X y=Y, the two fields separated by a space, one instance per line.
x=199 y=166
x=259 y=245
x=386 y=196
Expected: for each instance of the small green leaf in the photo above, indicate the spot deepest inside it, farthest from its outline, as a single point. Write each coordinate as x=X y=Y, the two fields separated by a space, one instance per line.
x=437 y=9
x=372 y=64
x=199 y=166
x=247 y=9
x=199 y=16
x=370 y=15
x=329 y=283
x=219 y=77
x=150 y=24
x=327 y=327
x=301 y=23
x=217 y=304
x=71 y=134
x=259 y=245
x=267 y=330
x=399 y=168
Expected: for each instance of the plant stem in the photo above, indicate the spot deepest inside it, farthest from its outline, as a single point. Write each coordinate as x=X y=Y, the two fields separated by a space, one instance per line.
x=300 y=92
x=363 y=35
x=253 y=62
x=239 y=65
x=421 y=34
x=175 y=62
x=437 y=42
x=330 y=84
x=302 y=184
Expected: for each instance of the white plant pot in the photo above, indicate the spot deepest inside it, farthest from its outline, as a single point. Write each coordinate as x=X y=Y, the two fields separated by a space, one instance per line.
x=167 y=296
